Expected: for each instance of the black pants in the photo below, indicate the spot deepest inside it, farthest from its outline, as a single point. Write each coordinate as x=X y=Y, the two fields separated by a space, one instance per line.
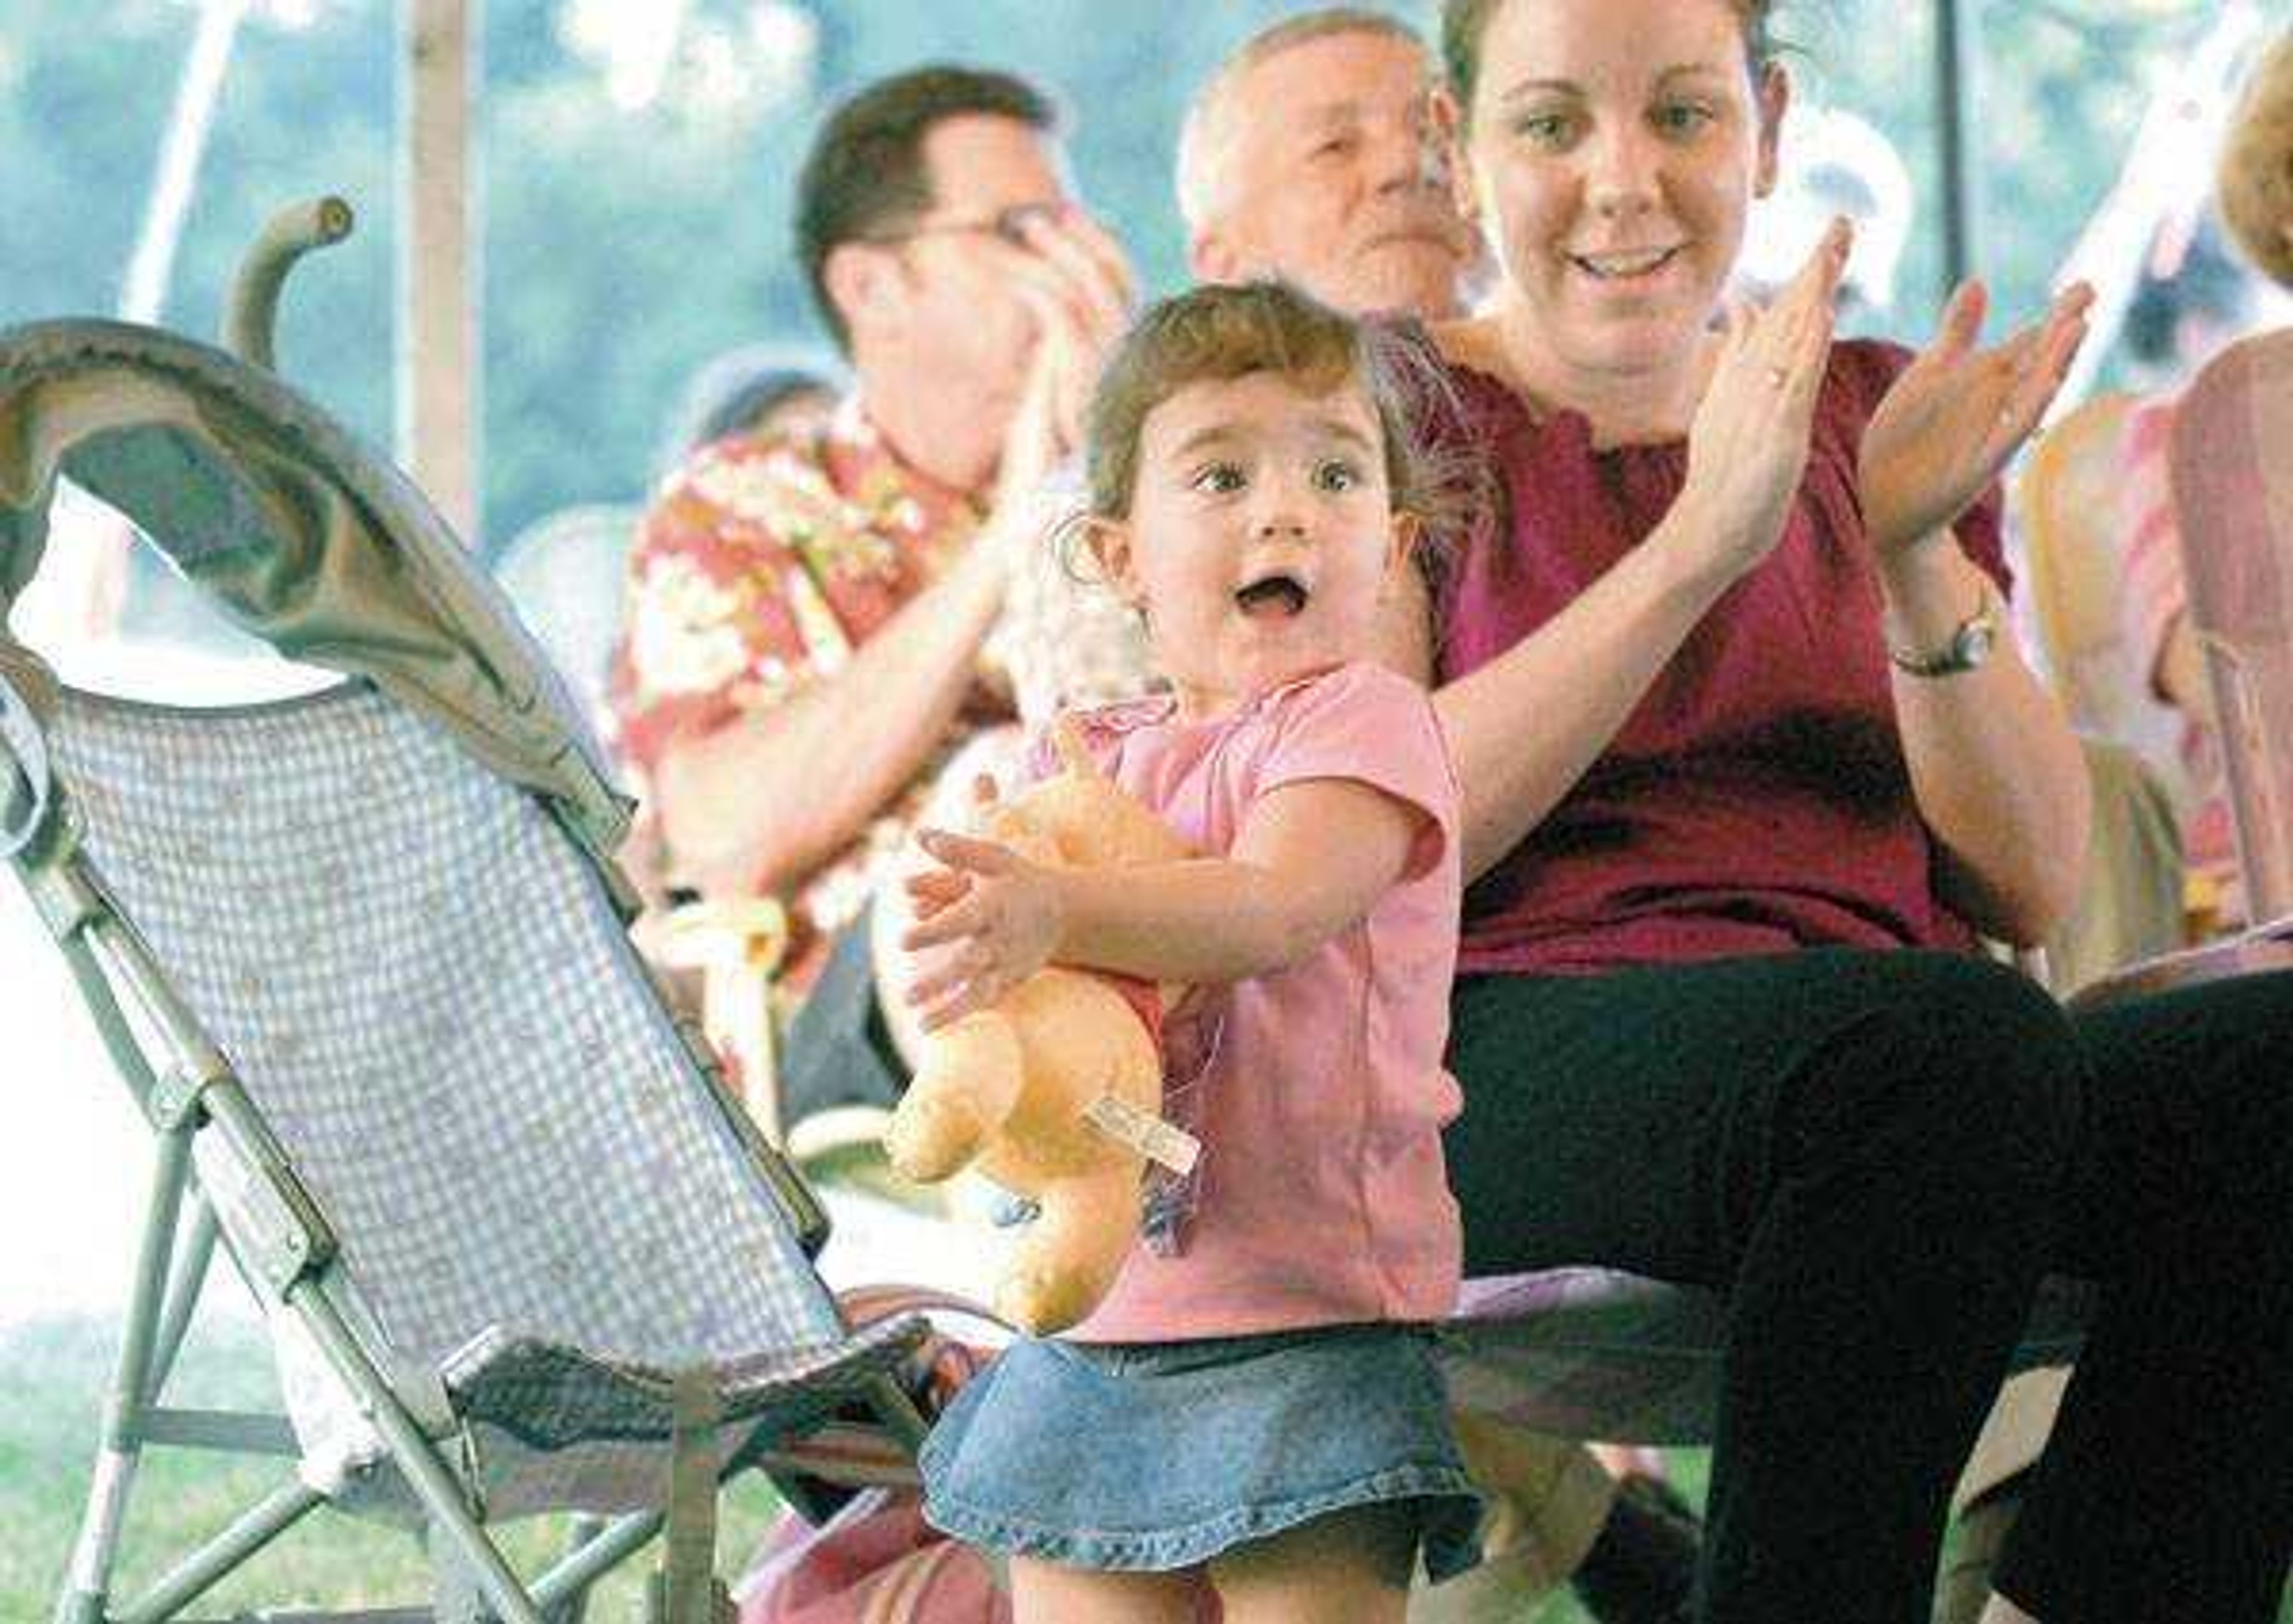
x=1877 y=1155
x=839 y=1050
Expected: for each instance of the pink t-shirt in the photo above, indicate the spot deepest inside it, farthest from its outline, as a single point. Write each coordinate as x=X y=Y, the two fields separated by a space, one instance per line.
x=1321 y=1196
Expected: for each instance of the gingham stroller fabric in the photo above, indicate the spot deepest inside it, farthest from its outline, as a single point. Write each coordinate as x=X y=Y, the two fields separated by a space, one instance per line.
x=383 y=905
x=542 y=1205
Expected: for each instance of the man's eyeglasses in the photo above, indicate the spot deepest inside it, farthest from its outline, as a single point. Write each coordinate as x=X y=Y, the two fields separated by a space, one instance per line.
x=1007 y=225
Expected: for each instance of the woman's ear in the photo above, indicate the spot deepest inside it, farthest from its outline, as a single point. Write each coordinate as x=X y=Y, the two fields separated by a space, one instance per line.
x=1775 y=100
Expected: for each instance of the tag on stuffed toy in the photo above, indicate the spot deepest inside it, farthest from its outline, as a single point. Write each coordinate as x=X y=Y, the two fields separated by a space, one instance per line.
x=1148 y=1135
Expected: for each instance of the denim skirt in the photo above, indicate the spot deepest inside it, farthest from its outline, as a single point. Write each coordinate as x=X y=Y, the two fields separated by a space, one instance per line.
x=1158 y=1456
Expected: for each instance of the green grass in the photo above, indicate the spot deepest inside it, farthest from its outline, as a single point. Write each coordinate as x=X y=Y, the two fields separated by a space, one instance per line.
x=51 y=1375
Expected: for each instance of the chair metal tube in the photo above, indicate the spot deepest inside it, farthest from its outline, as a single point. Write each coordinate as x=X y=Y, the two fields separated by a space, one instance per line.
x=575 y=1573
x=254 y=1528
x=89 y=1576
x=226 y=1431
x=295 y=1239
x=185 y=1281
x=415 y=1454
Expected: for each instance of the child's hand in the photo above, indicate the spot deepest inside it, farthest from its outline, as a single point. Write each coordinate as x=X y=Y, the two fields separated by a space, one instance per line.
x=999 y=917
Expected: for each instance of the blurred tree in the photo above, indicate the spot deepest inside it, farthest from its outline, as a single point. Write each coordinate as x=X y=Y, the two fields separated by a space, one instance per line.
x=637 y=193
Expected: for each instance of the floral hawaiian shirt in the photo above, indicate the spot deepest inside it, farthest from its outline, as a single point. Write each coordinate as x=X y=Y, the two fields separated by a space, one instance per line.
x=763 y=562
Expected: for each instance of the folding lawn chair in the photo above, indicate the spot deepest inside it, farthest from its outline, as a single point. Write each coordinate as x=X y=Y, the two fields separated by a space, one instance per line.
x=2232 y=456
x=359 y=957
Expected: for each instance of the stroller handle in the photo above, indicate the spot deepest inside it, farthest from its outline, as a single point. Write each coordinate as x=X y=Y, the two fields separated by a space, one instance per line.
x=251 y=325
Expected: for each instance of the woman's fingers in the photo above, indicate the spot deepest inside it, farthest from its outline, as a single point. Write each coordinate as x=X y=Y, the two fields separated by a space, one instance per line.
x=2033 y=363
x=1812 y=293
x=2038 y=382
x=1816 y=282
x=1961 y=322
x=1811 y=362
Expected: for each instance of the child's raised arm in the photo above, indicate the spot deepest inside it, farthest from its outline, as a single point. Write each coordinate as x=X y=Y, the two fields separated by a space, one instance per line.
x=1313 y=857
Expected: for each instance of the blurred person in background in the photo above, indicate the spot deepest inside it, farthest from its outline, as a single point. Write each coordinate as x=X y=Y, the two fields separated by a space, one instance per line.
x=760 y=389
x=2177 y=325
x=807 y=608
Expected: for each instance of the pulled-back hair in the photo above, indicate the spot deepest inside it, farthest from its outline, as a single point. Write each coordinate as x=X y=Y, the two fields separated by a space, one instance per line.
x=865 y=174
x=2256 y=177
x=1465 y=25
x=1223 y=331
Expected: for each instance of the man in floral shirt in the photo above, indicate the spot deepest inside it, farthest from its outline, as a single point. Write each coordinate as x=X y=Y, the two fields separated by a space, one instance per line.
x=807 y=609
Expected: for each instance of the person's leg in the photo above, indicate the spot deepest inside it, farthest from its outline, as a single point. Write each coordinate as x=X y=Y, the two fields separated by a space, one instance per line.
x=1350 y=1567
x=1049 y=1593
x=1641 y=1566
x=1862 y=1149
x=1962 y=1596
x=838 y=1051
x=2164 y=1492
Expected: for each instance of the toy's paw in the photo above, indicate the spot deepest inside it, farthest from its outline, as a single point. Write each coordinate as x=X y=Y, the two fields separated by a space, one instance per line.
x=1043 y=1302
x=931 y=1140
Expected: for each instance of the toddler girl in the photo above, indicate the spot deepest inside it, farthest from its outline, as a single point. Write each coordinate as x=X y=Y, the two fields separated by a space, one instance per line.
x=1255 y=1406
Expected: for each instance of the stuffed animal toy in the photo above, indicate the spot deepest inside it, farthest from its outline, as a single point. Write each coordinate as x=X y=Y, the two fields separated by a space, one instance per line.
x=1054 y=1091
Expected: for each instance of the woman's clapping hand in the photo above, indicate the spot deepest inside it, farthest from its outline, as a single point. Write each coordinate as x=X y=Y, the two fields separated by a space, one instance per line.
x=1747 y=446
x=1949 y=423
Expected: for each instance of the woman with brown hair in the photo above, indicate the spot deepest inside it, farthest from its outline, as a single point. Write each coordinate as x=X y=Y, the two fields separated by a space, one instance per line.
x=1748 y=762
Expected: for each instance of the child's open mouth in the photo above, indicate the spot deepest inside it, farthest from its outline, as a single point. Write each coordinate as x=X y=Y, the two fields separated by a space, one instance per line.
x=1274 y=597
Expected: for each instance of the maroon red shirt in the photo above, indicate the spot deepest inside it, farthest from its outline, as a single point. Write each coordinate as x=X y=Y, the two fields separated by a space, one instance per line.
x=1757 y=800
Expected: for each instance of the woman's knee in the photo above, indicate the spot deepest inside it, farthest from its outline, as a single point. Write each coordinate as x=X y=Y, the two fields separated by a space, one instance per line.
x=1957 y=1064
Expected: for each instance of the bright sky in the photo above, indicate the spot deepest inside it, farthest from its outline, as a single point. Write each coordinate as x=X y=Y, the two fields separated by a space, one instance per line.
x=76 y=1165
x=73 y=1168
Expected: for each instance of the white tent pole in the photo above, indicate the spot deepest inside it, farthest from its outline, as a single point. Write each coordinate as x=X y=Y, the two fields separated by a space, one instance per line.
x=81 y=597
x=2169 y=174
x=439 y=360
x=145 y=292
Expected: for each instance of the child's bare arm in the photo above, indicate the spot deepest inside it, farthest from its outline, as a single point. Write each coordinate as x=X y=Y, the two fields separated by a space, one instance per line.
x=1312 y=860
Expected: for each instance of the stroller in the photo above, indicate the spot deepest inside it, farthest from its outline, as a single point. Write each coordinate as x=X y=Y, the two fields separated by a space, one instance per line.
x=359 y=959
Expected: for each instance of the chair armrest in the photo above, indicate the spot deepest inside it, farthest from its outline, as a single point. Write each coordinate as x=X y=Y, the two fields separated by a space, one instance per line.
x=737 y=945
x=2267 y=947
